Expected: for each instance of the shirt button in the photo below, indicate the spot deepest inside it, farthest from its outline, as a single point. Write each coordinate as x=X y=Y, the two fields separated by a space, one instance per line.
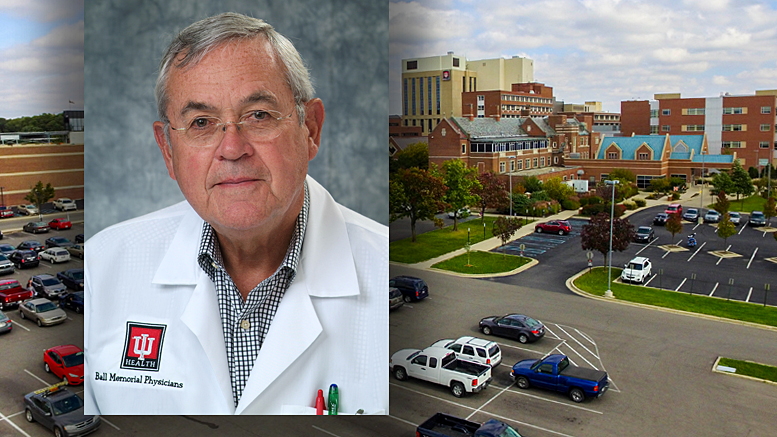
x=245 y=324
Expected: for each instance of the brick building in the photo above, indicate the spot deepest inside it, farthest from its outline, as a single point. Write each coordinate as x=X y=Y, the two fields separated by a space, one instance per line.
x=523 y=100
x=25 y=164
x=742 y=124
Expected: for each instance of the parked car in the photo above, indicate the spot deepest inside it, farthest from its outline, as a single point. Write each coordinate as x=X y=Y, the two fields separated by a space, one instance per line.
x=674 y=208
x=661 y=218
x=66 y=362
x=412 y=288
x=6 y=249
x=691 y=214
x=79 y=238
x=445 y=425
x=65 y=204
x=43 y=311
x=36 y=227
x=473 y=349
x=395 y=298
x=645 y=234
x=6 y=265
x=47 y=286
x=6 y=212
x=561 y=227
x=5 y=323
x=734 y=217
x=59 y=410
x=58 y=242
x=27 y=209
x=23 y=259
x=72 y=278
x=73 y=301
x=440 y=366
x=12 y=293
x=555 y=373
x=712 y=216
x=60 y=224
x=76 y=250
x=637 y=270
x=757 y=218
x=55 y=255
x=517 y=326
x=30 y=245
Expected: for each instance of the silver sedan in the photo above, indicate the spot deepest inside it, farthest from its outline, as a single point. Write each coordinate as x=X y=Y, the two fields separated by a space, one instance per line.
x=43 y=311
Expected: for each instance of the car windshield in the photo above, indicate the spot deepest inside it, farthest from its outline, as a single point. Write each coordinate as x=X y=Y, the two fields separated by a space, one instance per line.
x=50 y=281
x=67 y=405
x=531 y=322
x=733 y=214
x=79 y=275
x=59 y=239
x=643 y=230
x=3 y=258
x=40 y=224
x=692 y=211
x=509 y=432
x=75 y=359
x=48 y=306
x=757 y=214
x=634 y=266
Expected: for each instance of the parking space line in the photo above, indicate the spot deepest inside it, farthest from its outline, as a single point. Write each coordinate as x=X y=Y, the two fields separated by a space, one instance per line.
x=414 y=425
x=646 y=246
x=520 y=348
x=697 y=251
x=589 y=339
x=3 y=418
x=581 y=356
x=554 y=334
x=742 y=229
x=749 y=293
x=36 y=377
x=751 y=257
x=651 y=278
x=681 y=284
x=714 y=288
x=665 y=254
x=324 y=431
x=487 y=402
x=523 y=393
x=576 y=341
x=21 y=326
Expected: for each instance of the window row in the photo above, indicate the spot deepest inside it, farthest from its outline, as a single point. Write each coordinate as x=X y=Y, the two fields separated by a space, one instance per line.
x=508 y=147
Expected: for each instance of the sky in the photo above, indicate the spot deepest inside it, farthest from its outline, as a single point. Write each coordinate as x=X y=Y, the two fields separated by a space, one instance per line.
x=41 y=56
x=600 y=50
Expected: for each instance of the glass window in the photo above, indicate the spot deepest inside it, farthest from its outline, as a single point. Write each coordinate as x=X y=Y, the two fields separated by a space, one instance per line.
x=468 y=350
x=765 y=127
x=766 y=109
x=412 y=65
x=481 y=352
x=420 y=360
x=412 y=86
x=433 y=362
x=666 y=112
x=665 y=128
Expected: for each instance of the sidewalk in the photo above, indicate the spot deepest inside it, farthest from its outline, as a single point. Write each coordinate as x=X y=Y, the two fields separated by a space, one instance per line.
x=687 y=198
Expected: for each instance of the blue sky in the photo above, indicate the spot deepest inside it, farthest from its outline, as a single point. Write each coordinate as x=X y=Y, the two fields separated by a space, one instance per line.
x=600 y=50
x=41 y=56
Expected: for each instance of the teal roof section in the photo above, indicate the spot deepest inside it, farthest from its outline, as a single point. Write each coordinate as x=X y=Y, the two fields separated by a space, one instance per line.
x=714 y=159
x=629 y=146
x=694 y=143
x=676 y=155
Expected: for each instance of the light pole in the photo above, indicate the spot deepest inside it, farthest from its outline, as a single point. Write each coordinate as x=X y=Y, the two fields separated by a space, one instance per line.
x=608 y=293
x=701 y=191
x=511 y=193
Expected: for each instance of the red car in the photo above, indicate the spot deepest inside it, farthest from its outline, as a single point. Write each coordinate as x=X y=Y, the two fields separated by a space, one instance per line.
x=60 y=223
x=5 y=212
x=67 y=362
x=560 y=227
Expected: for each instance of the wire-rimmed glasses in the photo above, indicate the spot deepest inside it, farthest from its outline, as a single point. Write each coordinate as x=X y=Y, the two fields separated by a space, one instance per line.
x=257 y=125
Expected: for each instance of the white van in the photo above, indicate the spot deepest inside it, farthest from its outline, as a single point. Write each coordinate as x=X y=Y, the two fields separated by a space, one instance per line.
x=473 y=349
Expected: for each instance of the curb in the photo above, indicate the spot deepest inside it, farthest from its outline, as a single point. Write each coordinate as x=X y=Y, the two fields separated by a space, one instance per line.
x=571 y=286
x=526 y=266
x=752 y=378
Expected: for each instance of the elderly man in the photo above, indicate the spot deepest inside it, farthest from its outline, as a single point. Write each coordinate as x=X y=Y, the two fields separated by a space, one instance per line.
x=259 y=289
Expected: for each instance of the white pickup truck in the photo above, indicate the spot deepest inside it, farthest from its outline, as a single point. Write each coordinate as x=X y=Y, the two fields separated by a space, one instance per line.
x=440 y=366
x=65 y=204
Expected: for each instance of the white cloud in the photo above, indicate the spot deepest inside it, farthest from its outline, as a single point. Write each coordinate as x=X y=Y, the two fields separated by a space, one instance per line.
x=720 y=80
x=66 y=36
x=42 y=10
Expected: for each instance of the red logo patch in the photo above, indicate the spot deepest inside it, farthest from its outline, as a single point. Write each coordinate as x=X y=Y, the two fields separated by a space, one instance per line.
x=143 y=346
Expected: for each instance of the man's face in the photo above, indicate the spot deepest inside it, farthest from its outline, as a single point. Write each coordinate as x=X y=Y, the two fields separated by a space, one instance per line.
x=237 y=184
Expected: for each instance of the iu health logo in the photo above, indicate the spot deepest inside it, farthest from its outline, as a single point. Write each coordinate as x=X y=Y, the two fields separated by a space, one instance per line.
x=143 y=346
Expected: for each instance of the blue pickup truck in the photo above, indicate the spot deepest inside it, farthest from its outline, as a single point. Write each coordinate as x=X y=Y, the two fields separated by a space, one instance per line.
x=555 y=373
x=445 y=425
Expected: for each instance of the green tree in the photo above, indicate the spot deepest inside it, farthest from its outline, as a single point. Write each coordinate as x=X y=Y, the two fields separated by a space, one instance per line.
x=722 y=182
x=770 y=210
x=461 y=181
x=623 y=175
x=753 y=172
x=532 y=184
x=39 y=195
x=492 y=193
x=726 y=228
x=743 y=184
x=557 y=189
x=414 y=155
x=596 y=234
x=416 y=194
x=660 y=185
x=721 y=204
x=674 y=224
x=505 y=228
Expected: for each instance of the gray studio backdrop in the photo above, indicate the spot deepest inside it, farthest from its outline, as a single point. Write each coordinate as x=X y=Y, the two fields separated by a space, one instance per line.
x=343 y=42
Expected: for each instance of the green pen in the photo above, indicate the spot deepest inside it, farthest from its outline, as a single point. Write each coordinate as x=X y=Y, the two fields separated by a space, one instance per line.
x=334 y=399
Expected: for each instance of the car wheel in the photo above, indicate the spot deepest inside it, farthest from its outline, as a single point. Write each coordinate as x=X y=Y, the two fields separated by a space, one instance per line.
x=400 y=373
x=561 y=232
x=522 y=382
x=39 y=323
x=21 y=314
x=538 y=230
x=28 y=415
x=457 y=389
x=406 y=298
x=577 y=395
x=486 y=330
x=46 y=367
x=58 y=432
x=523 y=338
x=78 y=310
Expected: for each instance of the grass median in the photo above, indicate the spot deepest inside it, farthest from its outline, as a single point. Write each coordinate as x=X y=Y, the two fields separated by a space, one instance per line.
x=595 y=283
x=749 y=368
x=439 y=242
x=480 y=263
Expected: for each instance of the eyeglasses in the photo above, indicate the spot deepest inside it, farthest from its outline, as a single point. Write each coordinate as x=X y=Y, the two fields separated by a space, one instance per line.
x=258 y=125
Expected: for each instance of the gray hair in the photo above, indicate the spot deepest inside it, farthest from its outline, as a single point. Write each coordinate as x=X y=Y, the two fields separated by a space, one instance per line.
x=198 y=39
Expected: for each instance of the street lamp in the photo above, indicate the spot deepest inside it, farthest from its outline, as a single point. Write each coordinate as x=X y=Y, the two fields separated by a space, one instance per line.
x=608 y=293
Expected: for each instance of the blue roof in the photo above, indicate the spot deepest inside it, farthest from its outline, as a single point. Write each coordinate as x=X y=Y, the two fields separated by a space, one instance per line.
x=694 y=142
x=714 y=159
x=629 y=146
x=676 y=155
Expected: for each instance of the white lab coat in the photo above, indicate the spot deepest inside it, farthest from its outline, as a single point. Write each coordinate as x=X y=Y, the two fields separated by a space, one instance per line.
x=331 y=325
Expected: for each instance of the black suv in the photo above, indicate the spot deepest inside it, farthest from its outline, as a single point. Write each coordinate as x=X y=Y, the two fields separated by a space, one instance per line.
x=24 y=258
x=412 y=288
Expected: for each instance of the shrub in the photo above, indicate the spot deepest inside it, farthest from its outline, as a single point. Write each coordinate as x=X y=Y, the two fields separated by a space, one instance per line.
x=675 y=196
x=592 y=210
x=631 y=206
x=619 y=210
x=570 y=204
x=640 y=202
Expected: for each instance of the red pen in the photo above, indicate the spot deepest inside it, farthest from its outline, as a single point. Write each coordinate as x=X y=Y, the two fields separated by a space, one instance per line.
x=320 y=403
